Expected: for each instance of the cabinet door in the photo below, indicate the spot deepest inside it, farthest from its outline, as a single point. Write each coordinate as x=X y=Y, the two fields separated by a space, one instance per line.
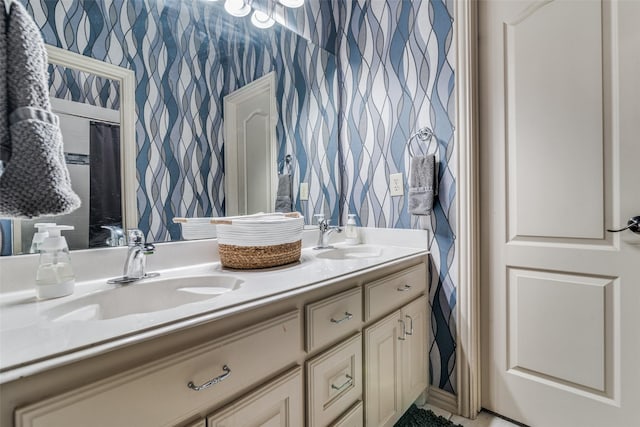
x=277 y=404
x=414 y=351
x=382 y=366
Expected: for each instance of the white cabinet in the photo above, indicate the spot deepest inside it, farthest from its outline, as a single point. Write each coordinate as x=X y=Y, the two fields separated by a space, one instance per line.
x=384 y=295
x=383 y=316
x=395 y=363
x=333 y=318
x=277 y=404
x=334 y=381
x=352 y=418
x=382 y=358
x=415 y=356
x=170 y=390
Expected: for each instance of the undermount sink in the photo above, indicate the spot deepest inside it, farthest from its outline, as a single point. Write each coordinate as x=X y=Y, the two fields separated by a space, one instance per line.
x=145 y=296
x=351 y=252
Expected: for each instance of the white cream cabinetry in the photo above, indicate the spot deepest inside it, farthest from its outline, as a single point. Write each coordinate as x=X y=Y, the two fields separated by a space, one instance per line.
x=395 y=351
x=352 y=418
x=277 y=404
x=176 y=387
x=414 y=348
x=334 y=382
x=351 y=354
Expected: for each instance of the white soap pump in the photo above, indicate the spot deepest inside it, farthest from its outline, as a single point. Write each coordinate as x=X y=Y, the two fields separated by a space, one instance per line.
x=55 y=277
x=39 y=236
x=351 y=231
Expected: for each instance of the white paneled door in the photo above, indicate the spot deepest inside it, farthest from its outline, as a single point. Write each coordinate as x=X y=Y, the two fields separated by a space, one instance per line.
x=560 y=164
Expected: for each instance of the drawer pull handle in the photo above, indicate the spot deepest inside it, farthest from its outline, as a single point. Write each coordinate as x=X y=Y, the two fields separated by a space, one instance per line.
x=214 y=381
x=410 y=331
x=349 y=381
x=404 y=288
x=347 y=316
x=404 y=330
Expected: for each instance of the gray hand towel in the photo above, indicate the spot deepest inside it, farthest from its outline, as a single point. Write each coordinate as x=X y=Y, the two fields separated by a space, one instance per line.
x=5 y=144
x=284 y=195
x=36 y=180
x=422 y=185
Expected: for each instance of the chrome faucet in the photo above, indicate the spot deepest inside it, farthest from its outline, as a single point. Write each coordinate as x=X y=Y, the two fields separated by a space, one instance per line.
x=134 y=266
x=325 y=232
x=136 y=258
x=116 y=235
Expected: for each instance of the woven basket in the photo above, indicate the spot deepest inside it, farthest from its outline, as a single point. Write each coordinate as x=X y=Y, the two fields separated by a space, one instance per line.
x=252 y=257
x=253 y=242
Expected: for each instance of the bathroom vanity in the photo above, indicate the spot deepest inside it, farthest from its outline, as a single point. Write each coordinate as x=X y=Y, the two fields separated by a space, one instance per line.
x=339 y=339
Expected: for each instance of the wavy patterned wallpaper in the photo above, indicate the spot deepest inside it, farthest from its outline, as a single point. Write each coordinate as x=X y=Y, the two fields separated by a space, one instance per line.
x=393 y=74
x=74 y=85
x=396 y=74
x=182 y=52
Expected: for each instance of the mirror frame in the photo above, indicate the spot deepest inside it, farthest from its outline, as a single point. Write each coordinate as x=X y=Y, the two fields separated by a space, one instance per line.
x=128 y=150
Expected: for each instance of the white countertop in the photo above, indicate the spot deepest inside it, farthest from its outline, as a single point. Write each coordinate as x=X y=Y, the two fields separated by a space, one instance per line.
x=31 y=342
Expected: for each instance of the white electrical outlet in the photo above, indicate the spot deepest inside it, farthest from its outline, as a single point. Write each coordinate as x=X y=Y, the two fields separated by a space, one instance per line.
x=304 y=191
x=396 y=184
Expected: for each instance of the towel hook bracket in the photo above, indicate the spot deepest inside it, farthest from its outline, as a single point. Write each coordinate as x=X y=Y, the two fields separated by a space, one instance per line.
x=424 y=134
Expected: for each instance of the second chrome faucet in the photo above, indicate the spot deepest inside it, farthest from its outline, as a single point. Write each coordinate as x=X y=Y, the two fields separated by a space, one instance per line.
x=324 y=232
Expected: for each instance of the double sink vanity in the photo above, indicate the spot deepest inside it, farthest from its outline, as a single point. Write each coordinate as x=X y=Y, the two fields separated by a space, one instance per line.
x=339 y=338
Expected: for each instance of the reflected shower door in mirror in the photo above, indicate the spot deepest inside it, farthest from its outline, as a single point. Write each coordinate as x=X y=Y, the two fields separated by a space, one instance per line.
x=88 y=99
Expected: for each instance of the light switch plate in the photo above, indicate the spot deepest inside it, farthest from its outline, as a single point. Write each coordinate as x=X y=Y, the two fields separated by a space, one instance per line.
x=304 y=191
x=396 y=184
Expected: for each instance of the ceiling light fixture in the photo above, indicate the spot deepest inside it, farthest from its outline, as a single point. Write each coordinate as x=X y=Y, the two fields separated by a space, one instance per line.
x=291 y=3
x=263 y=16
x=262 y=20
x=237 y=8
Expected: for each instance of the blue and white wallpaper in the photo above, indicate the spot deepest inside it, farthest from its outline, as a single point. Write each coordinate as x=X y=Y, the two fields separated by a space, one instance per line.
x=186 y=55
x=74 y=85
x=392 y=73
x=396 y=76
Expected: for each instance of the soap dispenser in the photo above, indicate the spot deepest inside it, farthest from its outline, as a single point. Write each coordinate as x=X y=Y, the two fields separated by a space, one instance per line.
x=351 y=231
x=39 y=236
x=55 y=276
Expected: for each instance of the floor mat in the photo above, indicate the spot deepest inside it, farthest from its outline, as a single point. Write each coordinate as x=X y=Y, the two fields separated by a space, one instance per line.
x=416 y=417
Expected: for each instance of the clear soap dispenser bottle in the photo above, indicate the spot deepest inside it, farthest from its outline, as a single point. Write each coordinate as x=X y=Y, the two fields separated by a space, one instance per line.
x=39 y=236
x=351 y=231
x=55 y=277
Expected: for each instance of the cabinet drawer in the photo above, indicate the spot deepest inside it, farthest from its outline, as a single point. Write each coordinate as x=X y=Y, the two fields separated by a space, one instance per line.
x=333 y=318
x=157 y=394
x=389 y=293
x=278 y=403
x=352 y=418
x=334 y=381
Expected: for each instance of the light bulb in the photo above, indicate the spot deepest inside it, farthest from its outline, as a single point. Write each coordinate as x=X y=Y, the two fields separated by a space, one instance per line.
x=261 y=20
x=291 y=3
x=237 y=8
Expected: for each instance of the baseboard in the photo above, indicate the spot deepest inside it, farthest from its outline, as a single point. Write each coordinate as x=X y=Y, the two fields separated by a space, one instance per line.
x=442 y=399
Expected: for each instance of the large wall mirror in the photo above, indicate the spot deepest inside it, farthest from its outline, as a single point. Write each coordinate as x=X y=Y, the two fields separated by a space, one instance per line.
x=173 y=64
x=95 y=104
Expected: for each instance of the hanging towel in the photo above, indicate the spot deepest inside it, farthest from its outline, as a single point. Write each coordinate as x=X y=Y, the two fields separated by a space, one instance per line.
x=422 y=184
x=5 y=145
x=284 y=195
x=36 y=180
